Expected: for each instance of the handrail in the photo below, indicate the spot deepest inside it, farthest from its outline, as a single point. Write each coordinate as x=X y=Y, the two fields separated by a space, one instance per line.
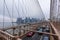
x=51 y=34
x=8 y=35
x=28 y=24
x=56 y=32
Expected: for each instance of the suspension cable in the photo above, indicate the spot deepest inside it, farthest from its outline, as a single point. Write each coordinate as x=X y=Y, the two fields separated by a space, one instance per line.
x=41 y=10
x=8 y=11
x=17 y=9
x=25 y=7
x=21 y=8
x=3 y=12
x=12 y=11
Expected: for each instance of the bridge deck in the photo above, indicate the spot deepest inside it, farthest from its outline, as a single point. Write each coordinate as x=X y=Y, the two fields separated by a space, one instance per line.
x=55 y=33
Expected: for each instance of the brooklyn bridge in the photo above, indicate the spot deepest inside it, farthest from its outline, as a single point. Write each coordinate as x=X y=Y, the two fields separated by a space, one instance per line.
x=26 y=20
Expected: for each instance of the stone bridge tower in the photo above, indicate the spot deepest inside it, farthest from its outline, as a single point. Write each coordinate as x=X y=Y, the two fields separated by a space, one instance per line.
x=55 y=10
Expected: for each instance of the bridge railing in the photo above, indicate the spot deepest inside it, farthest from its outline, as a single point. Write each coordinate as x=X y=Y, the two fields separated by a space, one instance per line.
x=20 y=29
x=23 y=29
x=54 y=30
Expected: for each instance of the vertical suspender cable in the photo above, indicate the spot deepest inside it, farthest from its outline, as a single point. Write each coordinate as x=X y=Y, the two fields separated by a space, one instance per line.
x=12 y=10
x=22 y=8
x=3 y=12
x=19 y=28
x=17 y=10
x=25 y=7
x=8 y=11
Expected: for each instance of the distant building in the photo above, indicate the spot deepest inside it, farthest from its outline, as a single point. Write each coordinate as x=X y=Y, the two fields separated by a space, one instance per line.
x=19 y=21
x=34 y=20
x=55 y=10
x=26 y=20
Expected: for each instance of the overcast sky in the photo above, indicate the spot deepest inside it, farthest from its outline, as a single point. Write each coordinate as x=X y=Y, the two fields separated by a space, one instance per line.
x=34 y=9
x=45 y=5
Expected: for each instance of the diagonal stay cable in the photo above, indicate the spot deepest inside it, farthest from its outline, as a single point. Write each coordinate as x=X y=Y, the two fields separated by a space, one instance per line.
x=21 y=8
x=3 y=12
x=12 y=11
x=17 y=10
x=24 y=7
x=8 y=11
x=41 y=10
